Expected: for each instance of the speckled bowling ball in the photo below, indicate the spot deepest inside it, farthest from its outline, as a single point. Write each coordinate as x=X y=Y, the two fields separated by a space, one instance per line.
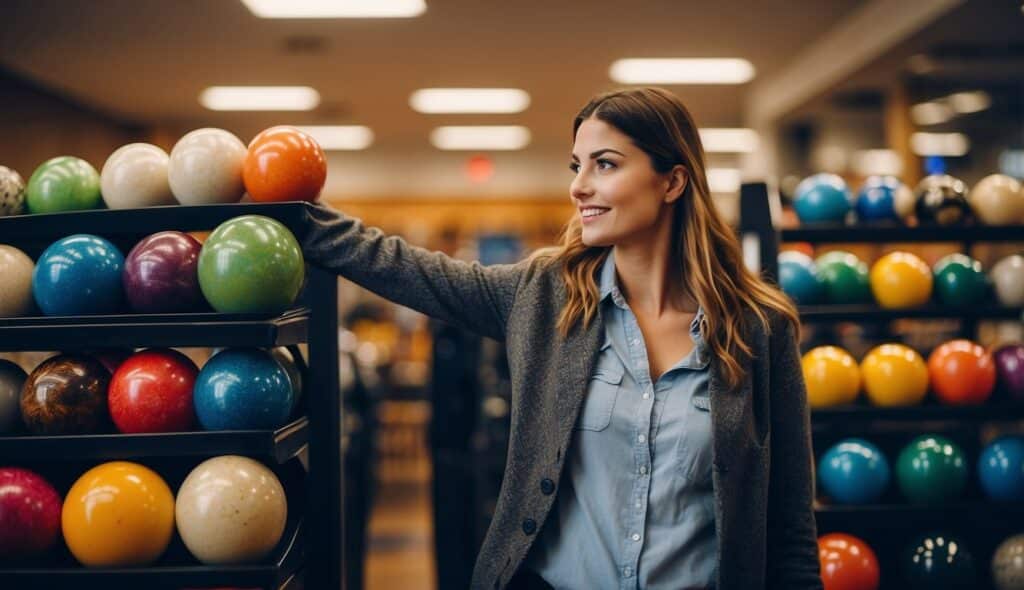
x=12 y=192
x=66 y=394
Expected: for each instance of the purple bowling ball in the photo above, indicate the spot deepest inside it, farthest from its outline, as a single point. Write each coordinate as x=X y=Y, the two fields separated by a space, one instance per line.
x=160 y=274
x=1010 y=370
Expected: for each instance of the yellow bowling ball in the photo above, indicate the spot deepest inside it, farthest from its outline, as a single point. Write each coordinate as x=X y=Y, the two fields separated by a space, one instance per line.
x=900 y=280
x=118 y=514
x=894 y=375
x=832 y=376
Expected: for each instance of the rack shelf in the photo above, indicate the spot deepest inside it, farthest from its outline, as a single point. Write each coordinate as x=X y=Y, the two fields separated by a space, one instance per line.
x=982 y=412
x=873 y=313
x=898 y=233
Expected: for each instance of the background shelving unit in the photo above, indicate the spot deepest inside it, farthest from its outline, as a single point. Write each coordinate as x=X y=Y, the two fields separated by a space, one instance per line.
x=310 y=553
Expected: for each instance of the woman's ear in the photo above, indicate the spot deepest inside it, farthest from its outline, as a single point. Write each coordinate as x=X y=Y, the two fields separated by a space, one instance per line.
x=677 y=179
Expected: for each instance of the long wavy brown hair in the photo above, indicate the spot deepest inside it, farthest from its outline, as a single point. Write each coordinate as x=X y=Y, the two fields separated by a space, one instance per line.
x=708 y=254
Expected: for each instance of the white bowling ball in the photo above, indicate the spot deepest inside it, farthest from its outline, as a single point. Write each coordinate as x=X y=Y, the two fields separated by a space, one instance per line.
x=998 y=199
x=1008 y=278
x=206 y=167
x=16 y=270
x=136 y=176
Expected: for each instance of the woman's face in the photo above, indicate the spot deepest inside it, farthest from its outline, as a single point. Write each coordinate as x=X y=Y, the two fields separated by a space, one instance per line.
x=617 y=193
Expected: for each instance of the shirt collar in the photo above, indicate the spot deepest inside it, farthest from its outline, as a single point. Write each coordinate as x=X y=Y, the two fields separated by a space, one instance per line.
x=608 y=286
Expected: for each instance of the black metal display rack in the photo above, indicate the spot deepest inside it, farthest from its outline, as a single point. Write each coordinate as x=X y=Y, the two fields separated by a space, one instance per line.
x=310 y=554
x=981 y=522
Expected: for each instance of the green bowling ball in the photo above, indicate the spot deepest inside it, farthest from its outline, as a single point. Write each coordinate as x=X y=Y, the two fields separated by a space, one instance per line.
x=845 y=277
x=65 y=183
x=251 y=264
x=959 y=280
x=931 y=469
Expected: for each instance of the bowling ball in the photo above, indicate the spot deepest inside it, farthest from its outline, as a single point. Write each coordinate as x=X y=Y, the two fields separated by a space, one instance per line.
x=1008 y=279
x=941 y=200
x=242 y=389
x=998 y=199
x=64 y=183
x=161 y=274
x=845 y=278
x=1008 y=564
x=284 y=164
x=66 y=394
x=877 y=198
x=12 y=192
x=205 y=167
x=959 y=280
x=853 y=471
x=77 y=275
x=961 y=373
x=231 y=510
x=1009 y=361
x=16 y=289
x=29 y=514
x=847 y=563
x=152 y=392
x=118 y=514
x=894 y=375
x=1001 y=469
x=831 y=375
x=931 y=469
x=12 y=380
x=799 y=279
x=135 y=175
x=251 y=264
x=287 y=360
x=822 y=198
x=939 y=561
x=900 y=280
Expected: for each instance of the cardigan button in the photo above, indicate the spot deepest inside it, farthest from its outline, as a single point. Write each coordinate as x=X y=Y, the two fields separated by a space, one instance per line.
x=547 y=487
x=529 y=526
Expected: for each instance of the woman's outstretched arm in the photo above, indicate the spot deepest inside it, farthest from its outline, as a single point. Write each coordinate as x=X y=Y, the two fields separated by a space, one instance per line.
x=470 y=295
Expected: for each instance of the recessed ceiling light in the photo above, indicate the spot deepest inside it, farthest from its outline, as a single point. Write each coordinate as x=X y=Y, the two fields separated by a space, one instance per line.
x=931 y=113
x=469 y=100
x=340 y=137
x=969 y=102
x=485 y=137
x=939 y=144
x=728 y=141
x=682 y=71
x=336 y=8
x=723 y=180
x=260 y=98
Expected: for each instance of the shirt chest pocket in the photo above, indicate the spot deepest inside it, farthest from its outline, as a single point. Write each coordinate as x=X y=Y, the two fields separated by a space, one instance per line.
x=599 y=402
x=693 y=451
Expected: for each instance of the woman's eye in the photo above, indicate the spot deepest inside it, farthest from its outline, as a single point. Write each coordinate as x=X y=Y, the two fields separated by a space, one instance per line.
x=574 y=167
x=605 y=164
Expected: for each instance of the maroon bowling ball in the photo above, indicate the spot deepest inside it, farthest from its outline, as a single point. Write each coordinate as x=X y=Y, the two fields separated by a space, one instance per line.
x=1010 y=370
x=29 y=514
x=160 y=274
x=66 y=394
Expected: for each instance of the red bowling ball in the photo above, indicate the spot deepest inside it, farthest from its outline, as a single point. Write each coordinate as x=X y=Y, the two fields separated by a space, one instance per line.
x=29 y=514
x=847 y=563
x=160 y=274
x=152 y=392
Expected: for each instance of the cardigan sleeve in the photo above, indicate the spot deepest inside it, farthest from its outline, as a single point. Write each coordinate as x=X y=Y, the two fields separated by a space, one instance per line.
x=469 y=295
x=793 y=561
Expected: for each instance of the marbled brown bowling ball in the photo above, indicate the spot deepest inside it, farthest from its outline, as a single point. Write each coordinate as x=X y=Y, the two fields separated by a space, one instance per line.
x=66 y=394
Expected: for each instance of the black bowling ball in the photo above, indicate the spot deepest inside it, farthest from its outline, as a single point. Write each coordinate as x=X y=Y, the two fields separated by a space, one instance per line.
x=941 y=199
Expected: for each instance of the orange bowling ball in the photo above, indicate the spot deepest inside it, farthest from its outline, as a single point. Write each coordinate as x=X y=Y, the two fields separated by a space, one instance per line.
x=847 y=563
x=961 y=373
x=284 y=164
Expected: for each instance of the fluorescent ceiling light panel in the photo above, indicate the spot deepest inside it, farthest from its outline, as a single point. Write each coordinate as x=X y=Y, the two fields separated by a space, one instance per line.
x=260 y=98
x=469 y=100
x=729 y=141
x=939 y=144
x=682 y=71
x=336 y=8
x=969 y=102
x=878 y=161
x=340 y=137
x=931 y=113
x=487 y=137
x=723 y=180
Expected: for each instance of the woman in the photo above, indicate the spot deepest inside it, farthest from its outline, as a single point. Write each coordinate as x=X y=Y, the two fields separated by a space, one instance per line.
x=659 y=434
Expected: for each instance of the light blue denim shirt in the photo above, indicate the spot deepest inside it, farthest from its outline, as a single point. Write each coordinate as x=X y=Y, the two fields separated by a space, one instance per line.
x=636 y=508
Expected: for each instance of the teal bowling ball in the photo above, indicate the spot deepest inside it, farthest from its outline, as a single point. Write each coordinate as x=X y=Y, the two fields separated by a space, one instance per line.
x=931 y=469
x=251 y=264
x=798 y=278
x=79 y=275
x=243 y=389
x=822 y=198
x=854 y=471
x=959 y=280
x=65 y=183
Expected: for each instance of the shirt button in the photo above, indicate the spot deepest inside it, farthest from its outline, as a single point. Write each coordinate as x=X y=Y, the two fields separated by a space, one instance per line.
x=529 y=526
x=547 y=487
x=639 y=504
x=647 y=396
x=635 y=342
x=643 y=469
x=641 y=438
x=636 y=536
x=627 y=571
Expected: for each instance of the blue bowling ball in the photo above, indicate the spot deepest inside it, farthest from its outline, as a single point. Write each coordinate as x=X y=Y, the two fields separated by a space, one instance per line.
x=854 y=471
x=242 y=389
x=822 y=198
x=1001 y=468
x=876 y=200
x=798 y=277
x=77 y=275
